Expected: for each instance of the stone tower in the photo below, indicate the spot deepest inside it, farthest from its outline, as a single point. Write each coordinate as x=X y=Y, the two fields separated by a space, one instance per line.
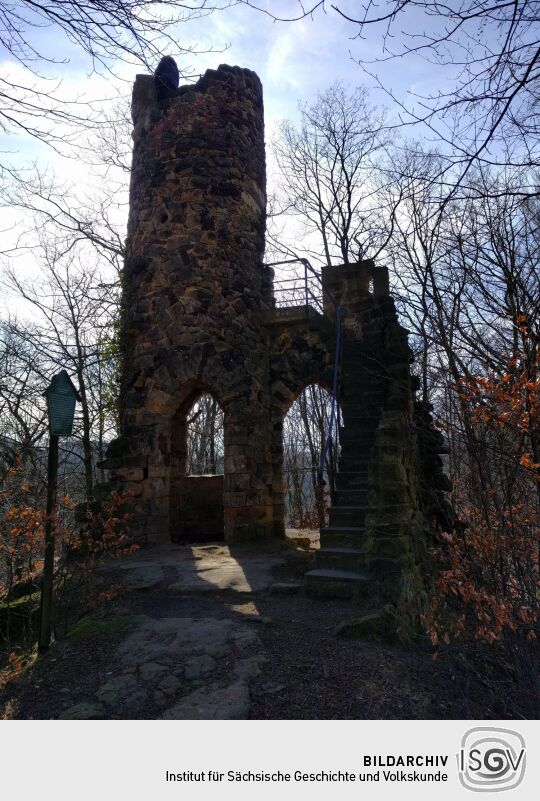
x=199 y=315
x=195 y=293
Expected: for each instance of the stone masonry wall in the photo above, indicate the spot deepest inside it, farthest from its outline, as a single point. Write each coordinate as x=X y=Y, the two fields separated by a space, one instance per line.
x=197 y=508
x=199 y=316
x=195 y=291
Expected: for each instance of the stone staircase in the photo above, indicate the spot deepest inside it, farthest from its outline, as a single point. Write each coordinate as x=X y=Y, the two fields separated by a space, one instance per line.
x=340 y=562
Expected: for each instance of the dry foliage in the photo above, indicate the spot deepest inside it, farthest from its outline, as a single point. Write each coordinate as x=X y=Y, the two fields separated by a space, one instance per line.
x=488 y=584
x=85 y=537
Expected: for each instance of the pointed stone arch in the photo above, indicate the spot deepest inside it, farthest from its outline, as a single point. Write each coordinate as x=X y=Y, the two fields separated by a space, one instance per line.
x=304 y=434
x=195 y=498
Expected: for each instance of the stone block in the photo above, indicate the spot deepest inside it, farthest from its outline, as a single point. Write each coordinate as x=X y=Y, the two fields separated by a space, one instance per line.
x=237 y=499
x=236 y=463
x=376 y=625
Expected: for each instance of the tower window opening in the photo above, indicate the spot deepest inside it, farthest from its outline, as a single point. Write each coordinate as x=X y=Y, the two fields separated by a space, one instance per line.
x=205 y=444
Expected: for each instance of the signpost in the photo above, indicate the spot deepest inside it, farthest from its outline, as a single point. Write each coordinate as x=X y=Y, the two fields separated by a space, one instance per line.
x=61 y=397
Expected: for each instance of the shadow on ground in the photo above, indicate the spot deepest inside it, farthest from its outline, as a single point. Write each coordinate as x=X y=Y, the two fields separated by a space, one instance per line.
x=212 y=632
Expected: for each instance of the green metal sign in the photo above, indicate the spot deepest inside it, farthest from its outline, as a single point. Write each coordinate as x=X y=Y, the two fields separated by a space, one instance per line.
x=61 y=398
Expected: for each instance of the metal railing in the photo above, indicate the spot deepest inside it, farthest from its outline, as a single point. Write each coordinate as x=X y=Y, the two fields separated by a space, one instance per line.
x=301 y=289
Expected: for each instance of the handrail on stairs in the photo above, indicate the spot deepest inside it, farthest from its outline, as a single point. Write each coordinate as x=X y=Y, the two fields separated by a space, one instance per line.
x=334 y=417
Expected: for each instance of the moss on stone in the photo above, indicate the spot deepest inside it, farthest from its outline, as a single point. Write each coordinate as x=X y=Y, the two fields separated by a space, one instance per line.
x=109 y=627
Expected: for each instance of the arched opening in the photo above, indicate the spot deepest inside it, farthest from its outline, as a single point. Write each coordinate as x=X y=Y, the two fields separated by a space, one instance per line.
x=197 y=466
x=205 y=441
x=305 y=432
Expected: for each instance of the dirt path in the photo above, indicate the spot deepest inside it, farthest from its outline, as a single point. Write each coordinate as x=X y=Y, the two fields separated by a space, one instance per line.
x=213 y=632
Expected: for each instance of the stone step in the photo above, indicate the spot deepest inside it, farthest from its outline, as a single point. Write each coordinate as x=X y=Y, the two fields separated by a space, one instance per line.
x=351 y=497
x=360 y=422
x=355 y=449
x=361 y=411
x=351 y=479
x=354 y=464
x=324 y=583
x=354 y=458
x=346 y=515
x=349 y=435
x=342 y=536
x=360 y=454
x=354 y=423
x=355 y=400
x=340 y=558
x=351 y=444
x=352 y=433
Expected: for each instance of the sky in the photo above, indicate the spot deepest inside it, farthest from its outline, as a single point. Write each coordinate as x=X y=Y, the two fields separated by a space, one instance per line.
x=294 y=61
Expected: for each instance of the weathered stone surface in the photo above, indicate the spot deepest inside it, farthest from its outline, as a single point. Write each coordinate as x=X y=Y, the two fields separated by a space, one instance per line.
x=169 y=686
x=84 y=711
x=144 y=577
x=162 y=659
x=195 y=291
x=220 y=569
x=176 y=639
x=286 y=587
x=152 y=672
x=217 y=703
x=372 y=626
x=197 y=666
x=199 y=315
x=247 y=668
x=123 y=694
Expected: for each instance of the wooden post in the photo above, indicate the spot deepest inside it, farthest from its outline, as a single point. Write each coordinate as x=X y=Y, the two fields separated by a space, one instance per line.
x=45 y=621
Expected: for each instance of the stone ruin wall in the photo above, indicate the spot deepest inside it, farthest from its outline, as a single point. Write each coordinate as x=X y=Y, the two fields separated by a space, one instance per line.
x=199 y=316
x=194 y=295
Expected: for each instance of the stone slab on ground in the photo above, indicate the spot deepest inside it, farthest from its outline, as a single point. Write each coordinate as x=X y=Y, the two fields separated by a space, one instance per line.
x=202 y=568
x=375 y=625
x=212 y=703
x=286 y=587
x=192 y=666
x=143 y=577
x=124 y=693
x=84 y=711
x=173 y=640
x=217 y=568
x=163 y=662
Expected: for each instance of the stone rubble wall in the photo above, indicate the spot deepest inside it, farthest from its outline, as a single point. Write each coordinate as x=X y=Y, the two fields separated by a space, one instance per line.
x=199 y=315
x=195 y=292
x=197 y=508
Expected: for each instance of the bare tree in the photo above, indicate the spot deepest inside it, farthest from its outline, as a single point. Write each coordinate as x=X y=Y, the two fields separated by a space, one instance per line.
x=489 y=56
x=73 y=320
x=31 y=98
x=304 y=435
x=326 y=178
x=205 y=443
x=22 y=412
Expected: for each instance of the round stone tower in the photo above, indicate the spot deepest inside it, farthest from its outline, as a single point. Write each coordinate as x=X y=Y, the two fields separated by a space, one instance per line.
x=195 y=293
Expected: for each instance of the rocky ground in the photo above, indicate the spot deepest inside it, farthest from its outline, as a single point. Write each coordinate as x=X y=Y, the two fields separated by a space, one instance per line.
x=216 y=633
